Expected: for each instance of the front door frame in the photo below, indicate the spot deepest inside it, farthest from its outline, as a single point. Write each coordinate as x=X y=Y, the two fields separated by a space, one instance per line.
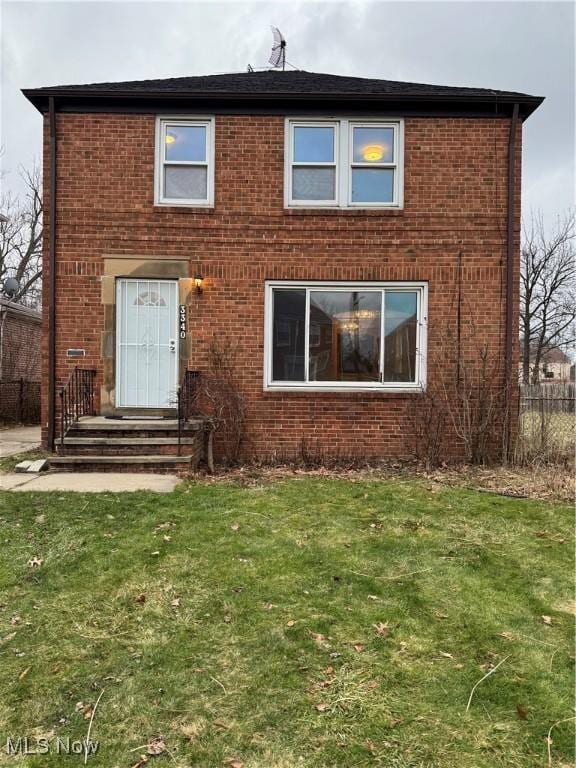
x=147 y=268
x=173 y=369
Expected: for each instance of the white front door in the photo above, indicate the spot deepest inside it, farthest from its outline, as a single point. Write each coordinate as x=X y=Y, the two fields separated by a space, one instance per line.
x=146 y=343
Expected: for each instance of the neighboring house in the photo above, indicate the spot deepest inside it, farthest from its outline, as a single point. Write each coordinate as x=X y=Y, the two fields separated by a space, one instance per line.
x=20 y=362
x=554 y=366
x=337 y=226
x=20 y=342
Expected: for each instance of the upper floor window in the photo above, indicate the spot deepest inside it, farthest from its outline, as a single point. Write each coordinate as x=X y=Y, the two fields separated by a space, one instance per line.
x=184 y=162
x=344 y=163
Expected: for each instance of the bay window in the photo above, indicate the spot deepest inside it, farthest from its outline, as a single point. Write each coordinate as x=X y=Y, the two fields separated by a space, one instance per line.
x=344 y=163
x=345 y=336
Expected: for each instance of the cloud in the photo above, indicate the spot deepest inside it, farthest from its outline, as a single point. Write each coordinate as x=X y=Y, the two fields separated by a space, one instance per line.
x=508 y=45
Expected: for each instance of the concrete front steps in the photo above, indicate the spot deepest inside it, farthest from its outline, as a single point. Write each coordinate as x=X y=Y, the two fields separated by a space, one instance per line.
x=97 y=444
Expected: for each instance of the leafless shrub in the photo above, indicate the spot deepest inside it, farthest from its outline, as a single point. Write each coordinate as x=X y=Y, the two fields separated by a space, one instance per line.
x=466 y=400
x=221 y=401
x=428 y=421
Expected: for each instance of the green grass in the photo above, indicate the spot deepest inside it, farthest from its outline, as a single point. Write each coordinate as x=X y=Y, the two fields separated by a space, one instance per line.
x=276 y=585
x=8 y=463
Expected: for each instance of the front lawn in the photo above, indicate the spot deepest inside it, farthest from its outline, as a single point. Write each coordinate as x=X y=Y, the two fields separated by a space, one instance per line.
x=305 y=622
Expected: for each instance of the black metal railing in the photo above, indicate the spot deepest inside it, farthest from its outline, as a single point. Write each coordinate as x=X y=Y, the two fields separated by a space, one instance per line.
x=76 y=400
x=187 y=395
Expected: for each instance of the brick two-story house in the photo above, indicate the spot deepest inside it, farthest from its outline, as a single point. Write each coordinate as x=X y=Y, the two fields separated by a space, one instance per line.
x=326 y=233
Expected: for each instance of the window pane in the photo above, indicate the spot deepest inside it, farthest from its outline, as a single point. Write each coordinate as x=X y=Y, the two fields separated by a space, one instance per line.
x=400 y=327
x=186 y=182
x=373 y=145
x=288 y=335
x=344 y=336
x=372 y=185
x=314 y=145
x=186 y=142
x=313 y=183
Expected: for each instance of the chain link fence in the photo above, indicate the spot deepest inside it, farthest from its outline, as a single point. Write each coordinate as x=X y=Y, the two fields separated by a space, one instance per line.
x=547 y=427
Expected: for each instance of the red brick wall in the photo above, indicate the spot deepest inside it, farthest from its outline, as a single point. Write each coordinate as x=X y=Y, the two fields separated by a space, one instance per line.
x=21 y=336
x=455 y=207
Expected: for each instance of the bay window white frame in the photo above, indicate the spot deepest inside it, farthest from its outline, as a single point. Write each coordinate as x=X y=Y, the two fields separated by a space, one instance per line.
x=162 y=122
x=343 y=150
x=418 y=385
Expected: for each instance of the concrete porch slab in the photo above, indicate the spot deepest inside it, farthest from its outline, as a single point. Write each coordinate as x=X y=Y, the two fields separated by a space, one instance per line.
x=90 y=482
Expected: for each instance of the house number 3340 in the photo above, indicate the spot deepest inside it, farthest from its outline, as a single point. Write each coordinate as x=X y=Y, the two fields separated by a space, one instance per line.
x=182 y=321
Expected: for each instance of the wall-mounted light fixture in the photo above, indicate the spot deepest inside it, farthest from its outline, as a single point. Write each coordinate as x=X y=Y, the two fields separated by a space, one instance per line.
x=198 y=280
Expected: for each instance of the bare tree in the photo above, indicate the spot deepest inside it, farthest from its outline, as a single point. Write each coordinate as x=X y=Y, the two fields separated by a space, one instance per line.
x=547 y=291
x=21 y=238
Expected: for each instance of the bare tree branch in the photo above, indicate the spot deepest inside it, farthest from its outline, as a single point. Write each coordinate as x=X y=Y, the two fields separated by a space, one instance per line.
x=21 y=238
x=547 y=291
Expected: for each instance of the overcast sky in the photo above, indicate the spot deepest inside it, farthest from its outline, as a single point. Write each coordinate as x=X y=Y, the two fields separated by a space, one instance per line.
x=521 y=46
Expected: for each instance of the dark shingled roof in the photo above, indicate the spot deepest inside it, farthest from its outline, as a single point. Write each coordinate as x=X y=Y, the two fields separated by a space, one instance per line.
x=289 y=85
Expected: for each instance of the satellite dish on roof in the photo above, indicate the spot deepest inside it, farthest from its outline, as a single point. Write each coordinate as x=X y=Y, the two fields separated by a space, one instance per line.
x=278 y=55
x=11 y=287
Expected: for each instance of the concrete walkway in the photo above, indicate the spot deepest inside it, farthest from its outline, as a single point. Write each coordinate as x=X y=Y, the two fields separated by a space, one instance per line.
x=89 y=482
x=18 y=440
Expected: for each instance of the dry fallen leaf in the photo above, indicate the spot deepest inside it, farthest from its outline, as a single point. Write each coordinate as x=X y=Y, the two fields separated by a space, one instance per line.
x=322 y=707
x=143 y=760
x=329 y=670
x=446 y=655
x=166 y=538
x=141 y=599
x=382 y=629
x=233 y=762
x=156 y=746
x=235 y=526
x=220 y=724
x=35 y=562
x=506 y=635
x=227 y=619
x=521 y=711
x=15 y=620
x=358 y=647
x=175 y=603
x=547 y=620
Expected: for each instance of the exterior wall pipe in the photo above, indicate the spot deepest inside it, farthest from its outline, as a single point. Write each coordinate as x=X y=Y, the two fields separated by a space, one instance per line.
x=52 y=281
x=510 y=374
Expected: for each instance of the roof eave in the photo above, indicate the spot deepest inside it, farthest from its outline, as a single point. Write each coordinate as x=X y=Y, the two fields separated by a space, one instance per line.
x=39 y=97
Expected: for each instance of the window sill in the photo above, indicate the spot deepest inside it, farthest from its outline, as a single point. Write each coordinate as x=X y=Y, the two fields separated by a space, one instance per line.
x=183 y=208
x=401 y=390
x=333 y=211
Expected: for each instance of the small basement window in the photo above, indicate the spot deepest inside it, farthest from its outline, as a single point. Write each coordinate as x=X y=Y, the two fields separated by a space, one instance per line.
x=184 y=162
x=345 y=336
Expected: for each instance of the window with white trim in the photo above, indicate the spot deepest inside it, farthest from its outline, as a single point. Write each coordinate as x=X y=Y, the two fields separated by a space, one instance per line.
x=344 y=163
x=332 y=336
x=184 y=162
